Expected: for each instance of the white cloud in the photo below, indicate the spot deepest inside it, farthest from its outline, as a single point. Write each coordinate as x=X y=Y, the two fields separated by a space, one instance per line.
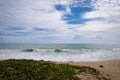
x=96 y=26
x=104 y=9
x=42 y=14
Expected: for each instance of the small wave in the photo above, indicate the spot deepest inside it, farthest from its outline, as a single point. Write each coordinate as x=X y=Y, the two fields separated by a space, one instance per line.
x=58 y=50
x=29 y=50
x=116 y=49
x=66 y=50
x=70 y=51
x=60 y=54
x=46 y=50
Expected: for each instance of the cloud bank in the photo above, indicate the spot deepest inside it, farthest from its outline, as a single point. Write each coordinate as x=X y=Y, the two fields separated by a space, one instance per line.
x=59 y=21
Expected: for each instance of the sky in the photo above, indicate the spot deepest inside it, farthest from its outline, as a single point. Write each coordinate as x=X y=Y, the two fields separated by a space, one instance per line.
x=59 y=21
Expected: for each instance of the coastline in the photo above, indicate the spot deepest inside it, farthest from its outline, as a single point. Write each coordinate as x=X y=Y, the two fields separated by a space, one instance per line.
x=108 y=68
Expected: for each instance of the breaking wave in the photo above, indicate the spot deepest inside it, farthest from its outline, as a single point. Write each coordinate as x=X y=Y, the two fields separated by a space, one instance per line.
x=61 y=54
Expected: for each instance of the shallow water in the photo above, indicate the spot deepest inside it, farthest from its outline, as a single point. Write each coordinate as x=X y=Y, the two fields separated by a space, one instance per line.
x=69 y=52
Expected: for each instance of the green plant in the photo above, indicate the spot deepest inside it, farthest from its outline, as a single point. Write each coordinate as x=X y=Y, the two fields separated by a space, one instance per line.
x=42 y=70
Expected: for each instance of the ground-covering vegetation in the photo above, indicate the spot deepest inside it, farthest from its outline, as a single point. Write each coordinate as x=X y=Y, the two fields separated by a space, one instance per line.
x=43 y=70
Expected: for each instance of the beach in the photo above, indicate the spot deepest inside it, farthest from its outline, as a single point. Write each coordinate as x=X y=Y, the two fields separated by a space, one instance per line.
x=59 y=39
x=105 y=57
x=90 y=70
x=107 y=68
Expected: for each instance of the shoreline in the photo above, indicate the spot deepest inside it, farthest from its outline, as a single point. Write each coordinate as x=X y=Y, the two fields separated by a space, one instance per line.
x=108 y=68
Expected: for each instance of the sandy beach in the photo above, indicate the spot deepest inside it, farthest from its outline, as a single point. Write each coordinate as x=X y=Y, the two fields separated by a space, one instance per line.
x=109 y=69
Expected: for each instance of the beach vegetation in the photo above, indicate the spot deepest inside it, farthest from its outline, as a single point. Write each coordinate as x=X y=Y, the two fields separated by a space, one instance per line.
x=42 y=70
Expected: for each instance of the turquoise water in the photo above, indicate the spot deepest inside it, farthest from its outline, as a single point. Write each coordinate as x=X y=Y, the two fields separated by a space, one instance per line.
x=62 y=46
x=69 y=52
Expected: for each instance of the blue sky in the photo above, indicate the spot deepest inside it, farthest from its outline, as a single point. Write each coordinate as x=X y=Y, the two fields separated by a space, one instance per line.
x=59 y=21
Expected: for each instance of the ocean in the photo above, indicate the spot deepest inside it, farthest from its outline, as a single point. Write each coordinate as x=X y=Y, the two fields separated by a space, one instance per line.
x=60 y=52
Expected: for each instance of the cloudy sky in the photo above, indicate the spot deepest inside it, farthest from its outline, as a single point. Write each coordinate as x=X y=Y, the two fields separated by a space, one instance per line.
x=59 y=21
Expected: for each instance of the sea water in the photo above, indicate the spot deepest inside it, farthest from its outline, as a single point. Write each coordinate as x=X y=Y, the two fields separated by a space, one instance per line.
x=68 y=52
